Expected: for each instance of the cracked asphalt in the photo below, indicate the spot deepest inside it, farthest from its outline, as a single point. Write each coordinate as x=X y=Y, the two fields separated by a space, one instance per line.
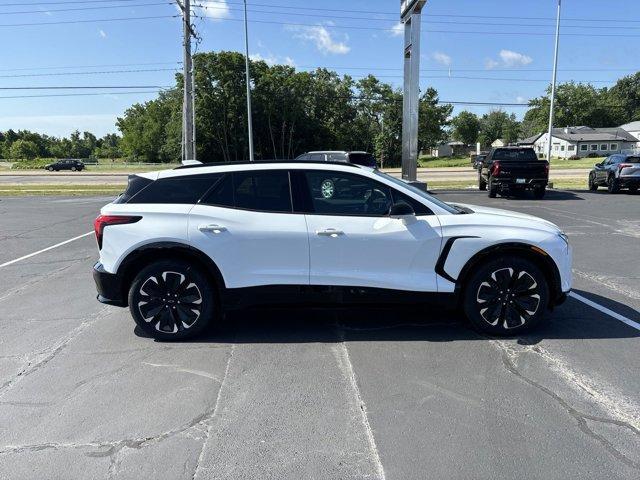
x=395 y=393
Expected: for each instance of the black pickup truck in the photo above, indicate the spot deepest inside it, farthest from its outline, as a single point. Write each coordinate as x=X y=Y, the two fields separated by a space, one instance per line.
x=509 y=169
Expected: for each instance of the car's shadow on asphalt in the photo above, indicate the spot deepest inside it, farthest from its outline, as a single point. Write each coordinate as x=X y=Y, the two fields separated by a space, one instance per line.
x=553 y=195
x=572 y=320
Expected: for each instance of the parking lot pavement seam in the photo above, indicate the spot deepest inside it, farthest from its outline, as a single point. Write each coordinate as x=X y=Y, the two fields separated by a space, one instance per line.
x=206 y=422
x=509 y=356
x=44 y=357
x=341 y=353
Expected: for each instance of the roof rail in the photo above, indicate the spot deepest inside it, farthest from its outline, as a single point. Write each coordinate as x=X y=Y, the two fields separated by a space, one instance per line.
x=267 y=162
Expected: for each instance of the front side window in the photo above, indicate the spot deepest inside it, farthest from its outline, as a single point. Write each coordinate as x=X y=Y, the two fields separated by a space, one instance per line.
x=266 y=191
x=341 y=193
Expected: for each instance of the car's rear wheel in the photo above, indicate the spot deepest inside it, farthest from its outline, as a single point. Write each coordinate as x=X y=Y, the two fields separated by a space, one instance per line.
x=633 y=189
x=493 y=190
x=482 y=185
x=593 y=186
x=73 y=169
x=538 y=192
x=612 y=184
x=172 y=300
x=506 y=296
x=50 y=169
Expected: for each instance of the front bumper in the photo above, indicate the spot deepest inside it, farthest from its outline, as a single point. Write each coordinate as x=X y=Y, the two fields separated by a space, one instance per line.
x=109 y=286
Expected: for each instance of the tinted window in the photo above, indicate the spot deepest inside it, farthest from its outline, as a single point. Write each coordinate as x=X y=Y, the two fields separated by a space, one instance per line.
x=337 y=157
x=445 y=206
x=632 y=160
x=303 y=157
x=365 y=159
x=515 y=154
x=187 y=189
x=135 y=184
x=221 y=194
x=338 y=193
x=316 y=157
x=266 y=190
x=418 y=208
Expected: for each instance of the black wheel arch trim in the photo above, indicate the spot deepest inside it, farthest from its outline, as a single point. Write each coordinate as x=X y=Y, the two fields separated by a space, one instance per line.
x=161 y=250
x=547 y=264
x=444 y=254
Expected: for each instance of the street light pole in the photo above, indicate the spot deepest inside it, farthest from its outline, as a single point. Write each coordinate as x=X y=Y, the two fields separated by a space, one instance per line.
x=248 y=81
x=553 y=84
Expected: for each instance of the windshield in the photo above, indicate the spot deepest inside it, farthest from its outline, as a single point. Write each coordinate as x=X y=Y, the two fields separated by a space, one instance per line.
x=515 y=154
x=417 y=191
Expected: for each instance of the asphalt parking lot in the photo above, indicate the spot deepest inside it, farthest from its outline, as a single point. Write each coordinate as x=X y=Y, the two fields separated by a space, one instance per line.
x=395 y=393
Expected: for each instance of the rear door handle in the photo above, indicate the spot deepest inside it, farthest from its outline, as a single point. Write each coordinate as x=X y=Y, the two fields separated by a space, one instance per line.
x=212 y=228
x=329 y=232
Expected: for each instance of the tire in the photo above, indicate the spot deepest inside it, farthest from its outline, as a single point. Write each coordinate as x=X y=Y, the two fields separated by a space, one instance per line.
x=50 y=169
x=482 y=185
x=612 y=184
x=506 y=296
x=538 y=192
x=493 y=191
x=593 y=186
x=633 y=189
x=172 y=300
x=73 y=169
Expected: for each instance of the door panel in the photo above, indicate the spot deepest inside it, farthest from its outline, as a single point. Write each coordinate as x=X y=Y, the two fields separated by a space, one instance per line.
x=252 y=248
x=379 y=252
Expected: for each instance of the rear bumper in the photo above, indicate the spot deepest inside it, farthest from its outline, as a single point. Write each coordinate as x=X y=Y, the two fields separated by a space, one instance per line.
x=109 y=286
x=511 y=183
x=628 y=181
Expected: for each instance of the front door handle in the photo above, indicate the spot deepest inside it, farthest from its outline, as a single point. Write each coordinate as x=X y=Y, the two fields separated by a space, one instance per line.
x=329 y=232
x=212 y=228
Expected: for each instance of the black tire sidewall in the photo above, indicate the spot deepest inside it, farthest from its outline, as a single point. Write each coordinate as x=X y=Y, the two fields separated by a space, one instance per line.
x=480 y=274
x=210 y=304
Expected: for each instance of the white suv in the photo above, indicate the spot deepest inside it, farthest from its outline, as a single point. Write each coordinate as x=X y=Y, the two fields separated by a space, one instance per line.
x=181 y=246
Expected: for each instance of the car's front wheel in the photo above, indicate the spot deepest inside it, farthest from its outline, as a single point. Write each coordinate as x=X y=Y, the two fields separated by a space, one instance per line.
x=482 y=184
x=172 y=300
x=506 y=296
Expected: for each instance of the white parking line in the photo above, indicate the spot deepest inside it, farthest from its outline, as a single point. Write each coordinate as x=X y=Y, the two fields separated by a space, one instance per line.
x=11 y=262
x=605 y=310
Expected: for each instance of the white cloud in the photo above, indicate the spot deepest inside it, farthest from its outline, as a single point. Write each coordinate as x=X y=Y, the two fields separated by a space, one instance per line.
x=397 y=30
x=102 y=33
x=514 y=59
x=442 y=58
x=213 y=9
x=322 y=39
x=520 y=99
x=508 y=58
x=271 y=59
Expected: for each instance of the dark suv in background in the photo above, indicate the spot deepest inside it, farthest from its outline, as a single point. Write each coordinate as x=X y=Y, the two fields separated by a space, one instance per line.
x=512 y=169
x=358 y=158
x=616 y=172
x=73 y=165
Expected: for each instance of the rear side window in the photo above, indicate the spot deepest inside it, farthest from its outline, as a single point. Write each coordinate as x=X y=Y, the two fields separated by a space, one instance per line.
x=632 y=160
x=184 y=189
x=266 y=190
x=136 y=183
x=365 y=159
x=515 y=154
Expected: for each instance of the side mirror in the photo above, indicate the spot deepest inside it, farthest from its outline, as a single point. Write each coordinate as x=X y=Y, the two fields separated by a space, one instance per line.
x=401 y=209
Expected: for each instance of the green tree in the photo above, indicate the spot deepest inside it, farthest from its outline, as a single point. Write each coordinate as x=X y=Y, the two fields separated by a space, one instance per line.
x=466 y=127
x=23 y=150
x=624 y=99
x=498 y=124
x=433 y=118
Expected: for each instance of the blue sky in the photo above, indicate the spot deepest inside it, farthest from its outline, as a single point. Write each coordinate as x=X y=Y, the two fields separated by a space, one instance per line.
x=509 y=67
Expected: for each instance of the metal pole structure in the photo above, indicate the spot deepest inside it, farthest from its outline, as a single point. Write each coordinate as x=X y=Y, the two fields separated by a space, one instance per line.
x=410 y=13
x=248 y=81
x=188 y=133
x=553 y=84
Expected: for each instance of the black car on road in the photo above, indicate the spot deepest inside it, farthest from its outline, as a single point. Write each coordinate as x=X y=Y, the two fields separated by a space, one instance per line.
x=73 y=165
x=616 y=172
x=512 y=169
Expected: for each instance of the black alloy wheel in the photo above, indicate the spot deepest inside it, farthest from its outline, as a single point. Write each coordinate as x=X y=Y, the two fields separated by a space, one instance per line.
x=593 y=186
x=506 y=296
x=171 y=300
x=612 y=184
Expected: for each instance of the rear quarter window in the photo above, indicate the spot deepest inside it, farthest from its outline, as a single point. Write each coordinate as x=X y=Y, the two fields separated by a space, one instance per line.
x=135 y=185
x=184 y=189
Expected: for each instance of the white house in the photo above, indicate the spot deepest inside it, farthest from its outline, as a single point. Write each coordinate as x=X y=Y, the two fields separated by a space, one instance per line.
x=582 y=141
x=633 y=128
x=499 y=142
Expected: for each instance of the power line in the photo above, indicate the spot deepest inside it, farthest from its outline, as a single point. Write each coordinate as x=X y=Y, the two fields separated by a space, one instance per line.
x=22 y=4
x=83 y=87
x=89 y=66
x=81 y=94
x=89 y=73
x=74 y=9
x=101 y=20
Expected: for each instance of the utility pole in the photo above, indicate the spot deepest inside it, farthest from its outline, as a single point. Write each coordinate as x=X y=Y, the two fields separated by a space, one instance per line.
x=553 y=84
x=188 y=110
x=248 y=81
x=410 y=13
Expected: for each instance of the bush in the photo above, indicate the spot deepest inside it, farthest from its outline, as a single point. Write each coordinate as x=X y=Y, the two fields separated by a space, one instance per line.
x=574 y=157
x=593 y=155
x=31 y=164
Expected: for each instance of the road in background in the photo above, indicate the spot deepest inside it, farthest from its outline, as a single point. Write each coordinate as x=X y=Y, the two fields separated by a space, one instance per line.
x=396 y=393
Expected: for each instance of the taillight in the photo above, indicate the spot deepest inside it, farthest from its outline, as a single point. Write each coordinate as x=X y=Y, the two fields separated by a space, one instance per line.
x=624 y=165
x=106 y=220
x=546 y=169
x=495 y=168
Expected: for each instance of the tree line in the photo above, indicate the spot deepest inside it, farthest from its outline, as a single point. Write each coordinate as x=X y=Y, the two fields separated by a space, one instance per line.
x=297 y=111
